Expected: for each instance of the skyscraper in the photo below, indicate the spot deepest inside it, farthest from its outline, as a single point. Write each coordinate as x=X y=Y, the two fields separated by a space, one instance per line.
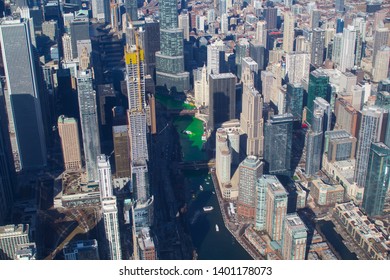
x=137 y=125
x=317 y=47
x=121 y=151
x=132 y=9
x=215 y=57
x=261 y=32
x=184 y=23
x=251 y=118
x=79 y=30
x=381 y=37
x=101 y=10
x=250 y=170
x=201 y=89
x=70 y=142
x=89 y=123
x=271 y=17
x=339 y=5
x=288 y=32
x=278 y=133
x=318 y=87
x=315 y=17
x=314 y=143
x=22 y=96
x=276 y=207
x=297 y=67
x=378 y=179
x=294 y=100
x=111 y=226
x=10 y=237
x=347 y=59
x=223 y=157
x=170 y=58
x=222 y=94
x=321 y=103
x=372 y=126
x=105 y=179
x=381 y=64
x=294 y=238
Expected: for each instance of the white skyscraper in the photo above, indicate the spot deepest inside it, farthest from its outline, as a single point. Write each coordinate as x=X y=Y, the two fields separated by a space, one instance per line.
x=288 y=32
x=105 y=180
x=297 y=66
x=381 y=64
x=267 y=81
x=184 y=23
x=201 y=89
x=223 y=156
x=213 y=56
x=261 y=32
x=347 y=59
x=224 y=24
x=111 y=226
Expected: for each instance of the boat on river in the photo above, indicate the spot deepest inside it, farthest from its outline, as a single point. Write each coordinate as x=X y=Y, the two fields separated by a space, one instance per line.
x=216 y=228
x=201 y=188
x=208 y=208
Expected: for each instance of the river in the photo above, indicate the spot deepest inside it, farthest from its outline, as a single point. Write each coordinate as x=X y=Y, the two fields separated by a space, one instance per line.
x=209 y=243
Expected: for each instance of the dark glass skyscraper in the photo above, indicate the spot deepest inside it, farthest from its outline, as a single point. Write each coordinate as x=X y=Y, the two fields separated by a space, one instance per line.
x=294 y=100
x=170 y=59
x=378 y=179
x=314 y=140
x=317 y=47
x=318 y=87
x=278 y=144
x=89 y=123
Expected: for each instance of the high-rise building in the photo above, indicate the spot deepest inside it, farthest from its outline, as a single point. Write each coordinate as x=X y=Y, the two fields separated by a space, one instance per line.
x=271 y=17
x=70 y=142
x=242 y=51
x=67 y=47
x=339 y=5
x=121 y=151
x=317 y=47
x=222 y=94
x=251 y=118
x=151 y=45
x=137 y=124
x=250 y=170
x=276 y=207
x=378 y=179
x=215 y=57
x=339 y=145
x=132 y=9
x=184 y=23
x=267 y=82
x=22 y=95
x=381 y=38
x=224 y=24
x=320 y=103
x=297 y=67
x=314 y=143
x=347 y=59
x=201 y=89
x=105 y=179
x=223 y=157
x=79 y=30
x=372 y=127
x=261 y=32
x=258 y=53
x=337 y=48
x=288 y=32
x=170 y=59
x=82 y=250
x=294 y=238
x=101 y=9
x=346 y=116
x=89 y=123
x=10 y=237
x=318 y=87
x=111 y=226
x=381 y=64
x=315 y=18
x=146 y=247
x=278 y=133
x=135 y=81
x=294 y=100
